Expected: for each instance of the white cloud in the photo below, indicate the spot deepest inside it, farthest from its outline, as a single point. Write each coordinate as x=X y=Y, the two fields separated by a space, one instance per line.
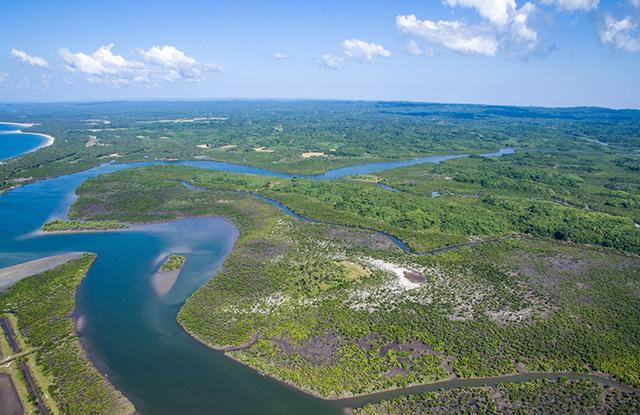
x=520 y=30
x=504 y=27
x=635 y=3
x=171 y=64
x=168 y=56
x=31 y=60
x=102 y=66
x=496 y=11
x=453 y=35
x=364 y=51
x=619 y=33
x=279 y=55
x=414 y=49
x=331 y=62
x=3 y=77
x=574 y=5
x=164 y=63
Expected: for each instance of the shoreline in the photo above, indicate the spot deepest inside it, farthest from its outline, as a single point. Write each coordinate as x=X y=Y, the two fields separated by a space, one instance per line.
x=49 y=139
x=350 y=401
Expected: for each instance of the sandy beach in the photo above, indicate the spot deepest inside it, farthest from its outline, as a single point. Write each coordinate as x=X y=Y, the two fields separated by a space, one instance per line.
x=11 y=275
x=50 y=139
x=18 y=124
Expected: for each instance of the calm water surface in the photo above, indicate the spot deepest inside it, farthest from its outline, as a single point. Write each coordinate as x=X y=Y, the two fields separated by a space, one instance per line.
x=131 y=333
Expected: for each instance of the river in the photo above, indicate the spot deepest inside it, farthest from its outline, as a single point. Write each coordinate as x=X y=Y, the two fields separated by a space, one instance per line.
x=131 y=333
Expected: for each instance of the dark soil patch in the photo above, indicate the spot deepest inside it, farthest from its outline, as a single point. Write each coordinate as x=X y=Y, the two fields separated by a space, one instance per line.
x=415 y=277
x=262 y=250
x=319 y=350
x=9 y=400
x=359 y=239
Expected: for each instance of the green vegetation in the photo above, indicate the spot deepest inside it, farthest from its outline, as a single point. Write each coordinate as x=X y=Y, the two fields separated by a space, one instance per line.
x=173 y=263
x=536 y=397
x=291 y=303
x=42 y=306
x=75 y=225
x=346 y=132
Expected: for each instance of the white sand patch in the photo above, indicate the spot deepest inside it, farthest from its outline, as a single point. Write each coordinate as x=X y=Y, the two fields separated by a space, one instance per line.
x=97 y=130
x=11 y=275
x=92 y=141
x=312 y=154
x=185 y=120
x=203 y=146
x=112 y=155
x=399 y=271
x=227 y=147
x=263 y=150
x=18 y=124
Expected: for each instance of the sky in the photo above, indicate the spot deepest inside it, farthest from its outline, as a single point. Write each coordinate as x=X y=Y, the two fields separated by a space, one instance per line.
x=507 y=52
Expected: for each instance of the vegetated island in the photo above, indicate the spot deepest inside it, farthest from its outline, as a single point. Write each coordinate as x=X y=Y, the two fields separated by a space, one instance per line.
x=167 y=275
x=39 y=310
x=338 y=311
x=173 y=263
x=76 y=225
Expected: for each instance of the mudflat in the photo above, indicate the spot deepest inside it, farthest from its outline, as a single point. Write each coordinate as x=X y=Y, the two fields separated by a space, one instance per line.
x=11 y=275
x=9 y=401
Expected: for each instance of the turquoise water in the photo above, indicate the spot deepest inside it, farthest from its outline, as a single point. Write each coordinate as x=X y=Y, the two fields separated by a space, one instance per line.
x=14 y=143
x=131 y=333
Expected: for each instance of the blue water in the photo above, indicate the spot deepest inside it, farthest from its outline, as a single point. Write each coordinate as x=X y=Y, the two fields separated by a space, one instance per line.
x=128 y=330
x=14 y=143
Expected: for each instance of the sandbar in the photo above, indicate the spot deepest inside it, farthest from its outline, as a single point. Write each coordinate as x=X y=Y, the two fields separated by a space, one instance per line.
x=11 y=275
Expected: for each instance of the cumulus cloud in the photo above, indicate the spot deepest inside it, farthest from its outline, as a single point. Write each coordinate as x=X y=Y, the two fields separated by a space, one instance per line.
x=28 y=59
x=574 y=5
x=635 y=3
x=414 y=49
x=504 y=26
x=171 y=64
x=279 y=55
x=168 y=56
x=496 y=11
x=619 y=33
x=102 y=66
x=453 y=35
x=520 y=30
x=364 y=51
x=329 y=61
x=162 y=63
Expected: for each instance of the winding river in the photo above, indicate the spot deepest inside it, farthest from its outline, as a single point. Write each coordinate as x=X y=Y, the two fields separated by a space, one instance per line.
x=130 y=332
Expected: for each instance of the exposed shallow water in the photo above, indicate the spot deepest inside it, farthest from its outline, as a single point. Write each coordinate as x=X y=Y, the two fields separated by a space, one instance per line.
x=130 y=332
x=13 y=142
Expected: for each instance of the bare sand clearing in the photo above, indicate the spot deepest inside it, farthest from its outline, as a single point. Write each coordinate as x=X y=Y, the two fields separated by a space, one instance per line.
x=263 y=150
x=11 y=275
x=312 y=154
x=203 y=146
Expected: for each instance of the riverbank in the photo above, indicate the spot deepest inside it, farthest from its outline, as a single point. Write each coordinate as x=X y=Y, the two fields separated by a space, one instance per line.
x=41 y=307
x=12 y=274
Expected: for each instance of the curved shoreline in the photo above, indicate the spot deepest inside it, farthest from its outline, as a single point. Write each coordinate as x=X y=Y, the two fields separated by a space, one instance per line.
x=49 y=139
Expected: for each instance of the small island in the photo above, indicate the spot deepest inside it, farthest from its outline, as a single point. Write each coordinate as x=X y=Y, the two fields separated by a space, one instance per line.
x=76 y=225
x=173 y=263
x=166 y=276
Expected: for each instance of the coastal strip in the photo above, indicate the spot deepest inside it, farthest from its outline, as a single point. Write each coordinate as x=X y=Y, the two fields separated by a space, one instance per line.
x=49 y=140
x=12 y=274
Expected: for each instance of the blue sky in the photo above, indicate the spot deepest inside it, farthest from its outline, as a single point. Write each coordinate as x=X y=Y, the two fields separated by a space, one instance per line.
x=541 y=52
